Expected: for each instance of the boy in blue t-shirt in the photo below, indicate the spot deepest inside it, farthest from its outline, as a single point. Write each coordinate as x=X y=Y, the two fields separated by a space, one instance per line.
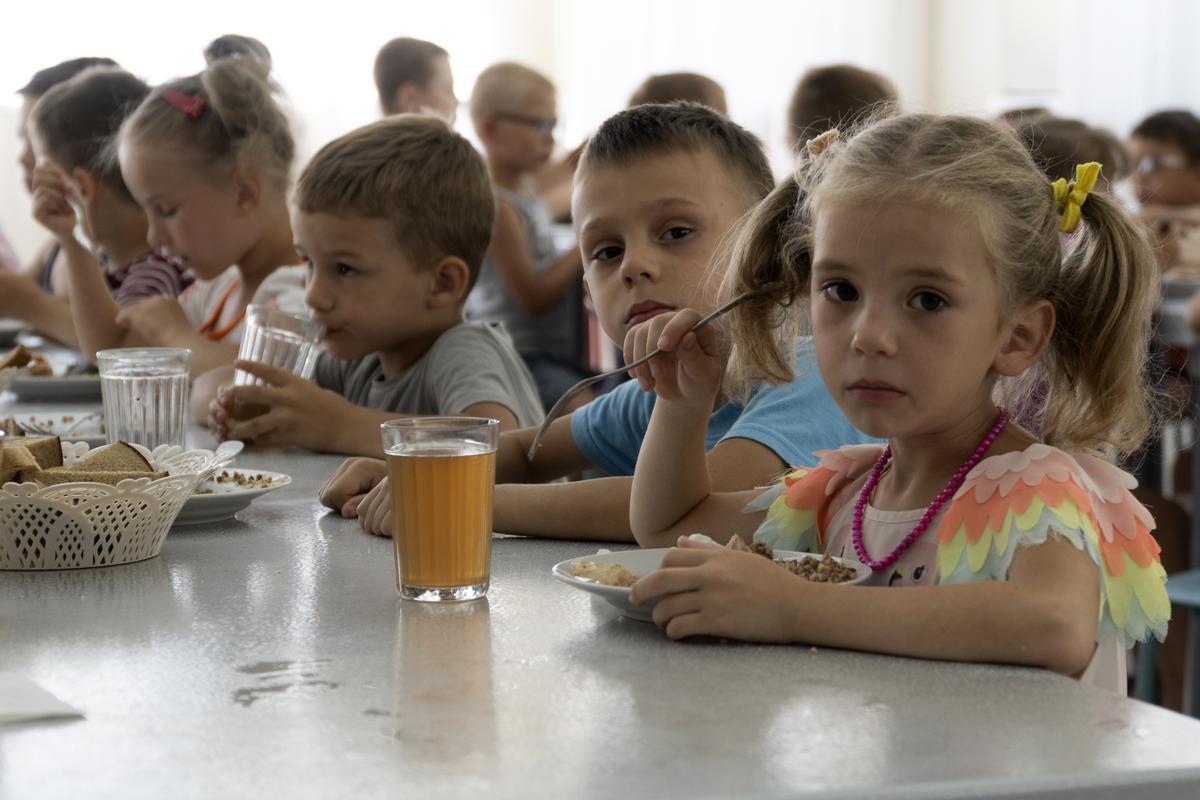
x=658 y=190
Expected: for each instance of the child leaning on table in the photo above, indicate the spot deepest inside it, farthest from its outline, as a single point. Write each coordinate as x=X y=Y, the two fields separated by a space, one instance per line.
x=659 y=189
x=393 y=220
x=38 y=293
x=72 y=127
x=207 y=158
x=929 y=253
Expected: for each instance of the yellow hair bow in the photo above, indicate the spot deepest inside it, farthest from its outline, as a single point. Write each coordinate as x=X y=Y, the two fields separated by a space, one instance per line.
x=1069 y=197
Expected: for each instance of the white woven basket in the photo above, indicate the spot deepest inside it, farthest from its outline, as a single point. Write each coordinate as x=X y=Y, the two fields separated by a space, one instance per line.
x=76 y=525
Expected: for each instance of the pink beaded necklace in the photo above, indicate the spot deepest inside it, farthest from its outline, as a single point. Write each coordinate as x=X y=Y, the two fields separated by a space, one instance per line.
x=865 y=495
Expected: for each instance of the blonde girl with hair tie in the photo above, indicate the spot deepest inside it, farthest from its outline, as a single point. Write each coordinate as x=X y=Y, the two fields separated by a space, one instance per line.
x=208 y=158
x=1002 y=362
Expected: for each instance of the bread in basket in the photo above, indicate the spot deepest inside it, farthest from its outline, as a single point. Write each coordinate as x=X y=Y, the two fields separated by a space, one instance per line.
x=76 y=521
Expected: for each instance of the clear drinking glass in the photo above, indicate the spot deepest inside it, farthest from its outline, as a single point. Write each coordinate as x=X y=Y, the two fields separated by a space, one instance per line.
x=146 y=394
x=442 y=472
x=279 y=339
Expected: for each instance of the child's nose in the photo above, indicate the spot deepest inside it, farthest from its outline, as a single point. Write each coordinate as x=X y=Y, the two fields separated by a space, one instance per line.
x=638 y=266
x=874 y=333
x=156 y=236
x=316 y=295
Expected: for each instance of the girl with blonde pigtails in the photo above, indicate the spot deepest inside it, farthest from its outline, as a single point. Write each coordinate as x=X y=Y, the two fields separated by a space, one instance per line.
x=992 y=327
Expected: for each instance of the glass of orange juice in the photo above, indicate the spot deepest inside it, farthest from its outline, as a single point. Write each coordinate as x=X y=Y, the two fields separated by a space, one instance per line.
x=442 y=472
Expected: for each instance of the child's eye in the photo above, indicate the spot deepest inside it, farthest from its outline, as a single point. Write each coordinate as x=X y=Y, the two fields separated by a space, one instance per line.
x=165 y=213
x=927 y=301
x=839 y=292
x=677 y=232
x=606 y=253
x=344 y=269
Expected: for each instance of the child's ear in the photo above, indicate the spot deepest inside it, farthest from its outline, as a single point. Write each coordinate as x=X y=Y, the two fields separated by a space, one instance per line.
x=249 y=185
x=85 y=184
x=1028 y=330
x=451 y=277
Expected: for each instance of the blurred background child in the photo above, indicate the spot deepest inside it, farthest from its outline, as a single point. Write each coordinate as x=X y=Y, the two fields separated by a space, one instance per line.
x=526 y=282
x=1166 y=159
x=1057 y=144
x=840 y=94
x=207 y=158
x=1166 y=177
x=413 y=76
x=671 y=86
x=72 y=127
x=41 y=269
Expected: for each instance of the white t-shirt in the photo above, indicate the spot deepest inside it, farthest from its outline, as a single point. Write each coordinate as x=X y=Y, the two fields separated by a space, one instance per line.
x=211 y=306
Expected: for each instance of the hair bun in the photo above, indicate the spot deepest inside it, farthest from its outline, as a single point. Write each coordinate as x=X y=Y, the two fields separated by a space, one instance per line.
x=246 y=49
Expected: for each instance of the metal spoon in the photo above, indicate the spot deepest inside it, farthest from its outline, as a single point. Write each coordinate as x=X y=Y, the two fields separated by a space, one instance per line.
x=31 y=428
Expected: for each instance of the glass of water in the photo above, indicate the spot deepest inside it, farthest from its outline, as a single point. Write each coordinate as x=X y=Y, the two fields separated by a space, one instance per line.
x=278 y=339
x=146 y=393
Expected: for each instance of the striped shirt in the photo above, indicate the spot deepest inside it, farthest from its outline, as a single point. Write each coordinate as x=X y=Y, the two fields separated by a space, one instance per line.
x=150 y=275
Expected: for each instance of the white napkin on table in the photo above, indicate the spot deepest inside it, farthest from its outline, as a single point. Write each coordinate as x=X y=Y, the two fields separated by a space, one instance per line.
x=22 y=700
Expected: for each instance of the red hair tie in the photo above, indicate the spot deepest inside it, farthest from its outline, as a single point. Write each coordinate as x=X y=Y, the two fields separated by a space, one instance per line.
x=192 y=105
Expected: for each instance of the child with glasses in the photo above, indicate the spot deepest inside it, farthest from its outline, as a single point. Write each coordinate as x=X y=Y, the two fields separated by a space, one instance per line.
x=526 y=282
x=1166 y=159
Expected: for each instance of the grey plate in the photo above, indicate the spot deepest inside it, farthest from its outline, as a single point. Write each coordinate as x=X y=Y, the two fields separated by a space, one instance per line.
x=1180 y=288
x=10 y=329
x=54 y=388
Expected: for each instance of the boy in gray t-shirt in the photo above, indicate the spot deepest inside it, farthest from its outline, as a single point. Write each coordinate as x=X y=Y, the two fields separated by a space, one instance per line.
x=469 y=364
x=393 y=220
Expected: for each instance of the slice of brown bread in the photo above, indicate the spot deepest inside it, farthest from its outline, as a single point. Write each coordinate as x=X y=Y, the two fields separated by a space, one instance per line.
x=14 y=460
x=46 y=450
x=58 y=475
x=115 y=457
x=19 y=356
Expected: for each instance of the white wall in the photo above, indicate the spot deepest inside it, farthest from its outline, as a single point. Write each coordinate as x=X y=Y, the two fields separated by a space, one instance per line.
x=1121 y=60
x=990 y=56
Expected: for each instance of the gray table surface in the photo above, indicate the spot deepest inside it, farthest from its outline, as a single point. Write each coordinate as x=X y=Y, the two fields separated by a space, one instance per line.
x=271 y=655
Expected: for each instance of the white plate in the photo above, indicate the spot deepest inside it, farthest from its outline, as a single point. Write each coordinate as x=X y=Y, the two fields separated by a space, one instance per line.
x=226 y=499
x=57 y=421
x=56 y=388
x=643 y=562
